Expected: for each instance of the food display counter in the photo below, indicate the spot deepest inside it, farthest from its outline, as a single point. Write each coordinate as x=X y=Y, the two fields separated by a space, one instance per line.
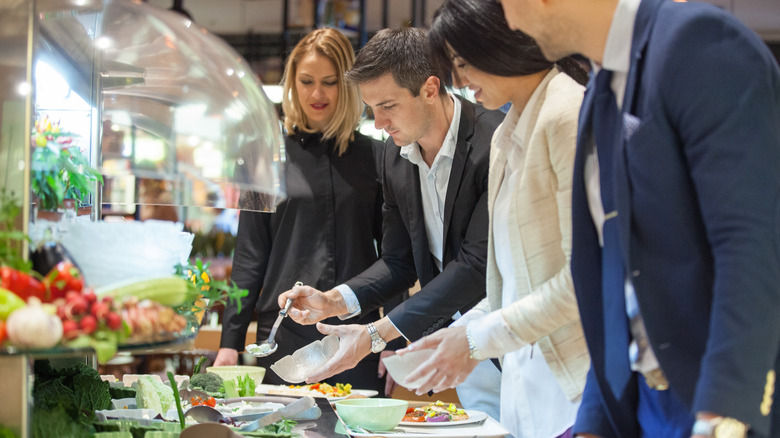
x=113 y=104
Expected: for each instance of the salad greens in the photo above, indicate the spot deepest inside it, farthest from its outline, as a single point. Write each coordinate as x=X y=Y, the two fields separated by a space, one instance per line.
x=280 y=429
x=246 y=386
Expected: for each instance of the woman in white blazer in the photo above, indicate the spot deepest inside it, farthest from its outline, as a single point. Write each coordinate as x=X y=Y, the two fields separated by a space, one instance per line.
x=530 y=317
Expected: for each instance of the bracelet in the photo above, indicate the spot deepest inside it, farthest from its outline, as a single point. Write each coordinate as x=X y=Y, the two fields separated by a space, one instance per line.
x=472 y=344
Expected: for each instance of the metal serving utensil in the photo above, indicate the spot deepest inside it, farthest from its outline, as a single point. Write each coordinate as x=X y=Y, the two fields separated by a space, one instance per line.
x=204 y=414
x=269 y=346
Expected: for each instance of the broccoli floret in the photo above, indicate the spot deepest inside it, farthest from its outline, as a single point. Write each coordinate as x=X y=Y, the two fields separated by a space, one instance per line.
x=208 y=382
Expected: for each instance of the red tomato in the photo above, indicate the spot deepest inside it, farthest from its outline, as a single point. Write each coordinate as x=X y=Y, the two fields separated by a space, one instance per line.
x=415 y=416
x=208 y=401
x=3 y=332
x=62 y=278
x=21 y=284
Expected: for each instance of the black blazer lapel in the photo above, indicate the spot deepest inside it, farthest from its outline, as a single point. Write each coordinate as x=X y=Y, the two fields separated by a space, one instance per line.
x=462 y=150
x=423 y=258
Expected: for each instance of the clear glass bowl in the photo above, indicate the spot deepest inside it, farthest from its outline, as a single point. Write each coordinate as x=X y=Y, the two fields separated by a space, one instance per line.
x=295 y=368
x=168 y=113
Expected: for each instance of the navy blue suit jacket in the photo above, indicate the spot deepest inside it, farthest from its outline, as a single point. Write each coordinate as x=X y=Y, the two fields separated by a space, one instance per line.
x=698 y=200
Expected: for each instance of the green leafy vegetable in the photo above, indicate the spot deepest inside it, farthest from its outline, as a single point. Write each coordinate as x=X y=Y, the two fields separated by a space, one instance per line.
x=6 y=432
x=76 y=392
x=11 y=240
x=121 y=392
x=208 y=382
x=196 y=369
x=246 y=386
x=214 y=292
x=177 y=398
x=230 y=389
x=280 y=429
x=57 y=422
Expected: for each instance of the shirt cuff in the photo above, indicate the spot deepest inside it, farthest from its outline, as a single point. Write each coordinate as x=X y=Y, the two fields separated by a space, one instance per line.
x=350 y=299
x=492 y=336
x=473 y=314
x=397 y=329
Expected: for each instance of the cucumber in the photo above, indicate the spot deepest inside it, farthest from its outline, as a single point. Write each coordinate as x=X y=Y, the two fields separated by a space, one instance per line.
x=168 y=291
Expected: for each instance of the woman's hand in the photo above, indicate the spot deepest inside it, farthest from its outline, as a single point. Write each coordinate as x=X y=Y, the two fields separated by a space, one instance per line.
x=448 y=366
x=390 y=384
x=226 y=356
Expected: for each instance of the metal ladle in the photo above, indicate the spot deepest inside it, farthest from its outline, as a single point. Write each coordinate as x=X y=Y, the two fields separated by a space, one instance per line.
x=269 y=345
x=204 y=414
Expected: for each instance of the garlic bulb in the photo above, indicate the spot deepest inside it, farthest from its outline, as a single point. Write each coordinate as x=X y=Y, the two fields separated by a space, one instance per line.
x=33 y=327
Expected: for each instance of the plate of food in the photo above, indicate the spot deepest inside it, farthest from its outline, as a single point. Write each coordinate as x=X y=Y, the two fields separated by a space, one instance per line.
x=332 y=393
x=441 y=414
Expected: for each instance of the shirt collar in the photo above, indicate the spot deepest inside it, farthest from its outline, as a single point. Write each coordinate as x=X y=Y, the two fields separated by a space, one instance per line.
x=512 y=132
x=617 y=51
x=412 y=151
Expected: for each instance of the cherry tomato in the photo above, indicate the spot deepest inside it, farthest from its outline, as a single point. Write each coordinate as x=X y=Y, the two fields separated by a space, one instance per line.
x=208 y=401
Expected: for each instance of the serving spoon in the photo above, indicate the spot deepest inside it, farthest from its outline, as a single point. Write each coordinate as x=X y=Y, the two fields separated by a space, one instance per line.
x=269 y=346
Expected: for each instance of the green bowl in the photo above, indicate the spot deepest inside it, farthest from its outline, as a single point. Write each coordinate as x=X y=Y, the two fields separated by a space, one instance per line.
x=376 y=414
x=232 y=372
x=113 y=435
x=161 y=434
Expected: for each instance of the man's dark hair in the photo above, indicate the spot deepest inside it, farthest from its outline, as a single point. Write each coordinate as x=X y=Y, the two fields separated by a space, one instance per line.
x=403 y=52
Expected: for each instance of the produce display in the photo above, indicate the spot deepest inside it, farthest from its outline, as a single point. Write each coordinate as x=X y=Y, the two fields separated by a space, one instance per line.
x=57 y=308
x=69 y=394
x=435 y=412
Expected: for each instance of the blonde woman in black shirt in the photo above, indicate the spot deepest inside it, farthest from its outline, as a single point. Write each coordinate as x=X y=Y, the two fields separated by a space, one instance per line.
x=328 y=228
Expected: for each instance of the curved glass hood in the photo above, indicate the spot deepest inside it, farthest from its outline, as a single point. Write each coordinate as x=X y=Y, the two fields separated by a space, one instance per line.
x=169 y=113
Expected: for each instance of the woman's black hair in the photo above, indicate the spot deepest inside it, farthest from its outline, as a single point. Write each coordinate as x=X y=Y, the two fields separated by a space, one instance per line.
x=477 y=31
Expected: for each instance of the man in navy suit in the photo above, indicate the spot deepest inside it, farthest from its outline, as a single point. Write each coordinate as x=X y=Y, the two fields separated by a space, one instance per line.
x=435 y=218
x=676 y=215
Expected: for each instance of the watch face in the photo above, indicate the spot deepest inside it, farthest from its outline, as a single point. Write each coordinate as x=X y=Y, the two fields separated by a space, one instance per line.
x=730 y=428
x=378 y=345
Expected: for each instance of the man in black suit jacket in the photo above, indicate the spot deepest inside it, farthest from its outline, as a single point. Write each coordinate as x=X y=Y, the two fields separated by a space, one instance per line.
x=448 y=257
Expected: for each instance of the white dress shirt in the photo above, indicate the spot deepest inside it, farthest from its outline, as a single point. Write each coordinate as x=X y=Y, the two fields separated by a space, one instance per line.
x=617 y=58
x=532 y=403
x=434 y=181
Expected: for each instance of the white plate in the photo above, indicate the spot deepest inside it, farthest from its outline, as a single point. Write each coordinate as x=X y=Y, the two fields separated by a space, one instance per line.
x=474 y=417
x=489 y=429
x=290 y=392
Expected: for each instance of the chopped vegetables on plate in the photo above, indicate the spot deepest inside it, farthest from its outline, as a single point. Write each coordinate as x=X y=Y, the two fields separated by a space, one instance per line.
x=435 y=412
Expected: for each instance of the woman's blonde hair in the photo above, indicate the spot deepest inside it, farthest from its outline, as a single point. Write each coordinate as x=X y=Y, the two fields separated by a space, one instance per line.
x=333 y=45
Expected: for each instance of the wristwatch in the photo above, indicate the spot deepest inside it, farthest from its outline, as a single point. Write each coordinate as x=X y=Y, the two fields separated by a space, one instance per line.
x=720 y=427
x=377 y=343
